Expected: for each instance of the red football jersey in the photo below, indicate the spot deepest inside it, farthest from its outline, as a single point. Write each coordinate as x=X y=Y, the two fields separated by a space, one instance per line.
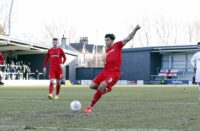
x=56 y=56
x=1 y=59
x=114 y=56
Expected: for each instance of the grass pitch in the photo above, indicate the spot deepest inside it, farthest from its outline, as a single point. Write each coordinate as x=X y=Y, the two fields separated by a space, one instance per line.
x=144 y=108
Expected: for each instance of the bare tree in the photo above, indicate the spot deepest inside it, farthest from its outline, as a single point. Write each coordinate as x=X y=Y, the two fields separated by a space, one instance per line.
x=57 y=30
x=140 y=39
x=164 y=28
x=52 y=31
x=165 y=31
x=190 y=32
x=175 y=33
x=71 y=32
x=197 y=30
x=161 y=30
x=193 y=31
x=146 y=27
x=133 y=41
x=159 y=33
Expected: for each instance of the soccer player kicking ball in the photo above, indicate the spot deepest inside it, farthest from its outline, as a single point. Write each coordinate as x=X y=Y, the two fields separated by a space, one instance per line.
x=195 y=62
x=104 y=82
x=57 y=59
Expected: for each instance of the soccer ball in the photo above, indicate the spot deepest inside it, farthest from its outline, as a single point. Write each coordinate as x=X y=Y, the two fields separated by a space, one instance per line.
x=75 y=105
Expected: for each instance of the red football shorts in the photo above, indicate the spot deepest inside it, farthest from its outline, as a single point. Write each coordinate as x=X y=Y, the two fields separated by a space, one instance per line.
x=110 y=77
x=55 y=74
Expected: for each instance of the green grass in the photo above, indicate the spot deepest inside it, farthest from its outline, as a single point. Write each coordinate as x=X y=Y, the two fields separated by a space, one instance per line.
x=135 y=108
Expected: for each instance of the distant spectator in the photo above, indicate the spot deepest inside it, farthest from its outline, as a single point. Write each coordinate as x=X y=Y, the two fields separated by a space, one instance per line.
x=37 y=75
x=13 y=70
x=24 y=71
x=28 y=71
x=18 y=75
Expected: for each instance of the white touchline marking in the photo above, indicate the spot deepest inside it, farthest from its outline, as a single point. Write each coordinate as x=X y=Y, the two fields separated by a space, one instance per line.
x=59 y=101
x=92 y=129
x=7 y=126
x=35 y=101
x=7 y=97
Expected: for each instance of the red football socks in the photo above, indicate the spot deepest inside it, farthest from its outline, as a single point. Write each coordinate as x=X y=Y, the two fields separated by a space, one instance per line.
x=51 y=88
x=57 y=89
x=96 y=97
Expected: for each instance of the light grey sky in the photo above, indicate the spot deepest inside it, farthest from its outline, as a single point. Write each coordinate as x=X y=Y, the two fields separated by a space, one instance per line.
x=95 y=18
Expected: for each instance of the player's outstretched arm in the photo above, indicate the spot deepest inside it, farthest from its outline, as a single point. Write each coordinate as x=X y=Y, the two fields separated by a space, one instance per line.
x=131 y=35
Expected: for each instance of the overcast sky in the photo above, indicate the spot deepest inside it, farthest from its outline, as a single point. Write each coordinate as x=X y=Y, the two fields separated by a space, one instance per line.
x=95 y=18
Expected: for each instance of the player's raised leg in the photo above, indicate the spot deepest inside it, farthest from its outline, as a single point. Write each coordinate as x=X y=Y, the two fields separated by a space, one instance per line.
x=98 y=94
x=93 y=86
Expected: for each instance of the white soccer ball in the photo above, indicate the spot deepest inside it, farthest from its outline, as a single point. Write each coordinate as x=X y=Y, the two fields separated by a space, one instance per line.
x=75 y=105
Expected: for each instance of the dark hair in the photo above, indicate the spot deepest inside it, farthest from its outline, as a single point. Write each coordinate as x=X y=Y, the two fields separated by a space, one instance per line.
x=55 y=39
x=198 y=43
x=111 y=36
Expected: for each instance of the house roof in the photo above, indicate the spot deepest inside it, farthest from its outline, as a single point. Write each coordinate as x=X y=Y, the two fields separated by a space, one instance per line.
x=89 y=48
x=23 y=47
x=77 y=46
x=166 y=49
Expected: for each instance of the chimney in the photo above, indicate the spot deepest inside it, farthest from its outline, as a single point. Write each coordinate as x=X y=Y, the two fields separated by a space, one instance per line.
x=84 y=40
x=64 y=42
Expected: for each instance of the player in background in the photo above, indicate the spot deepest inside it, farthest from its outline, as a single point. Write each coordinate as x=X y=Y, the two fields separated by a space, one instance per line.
x=1 y=62
x=104 y=81
x=195 y=62
x=57 y=59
